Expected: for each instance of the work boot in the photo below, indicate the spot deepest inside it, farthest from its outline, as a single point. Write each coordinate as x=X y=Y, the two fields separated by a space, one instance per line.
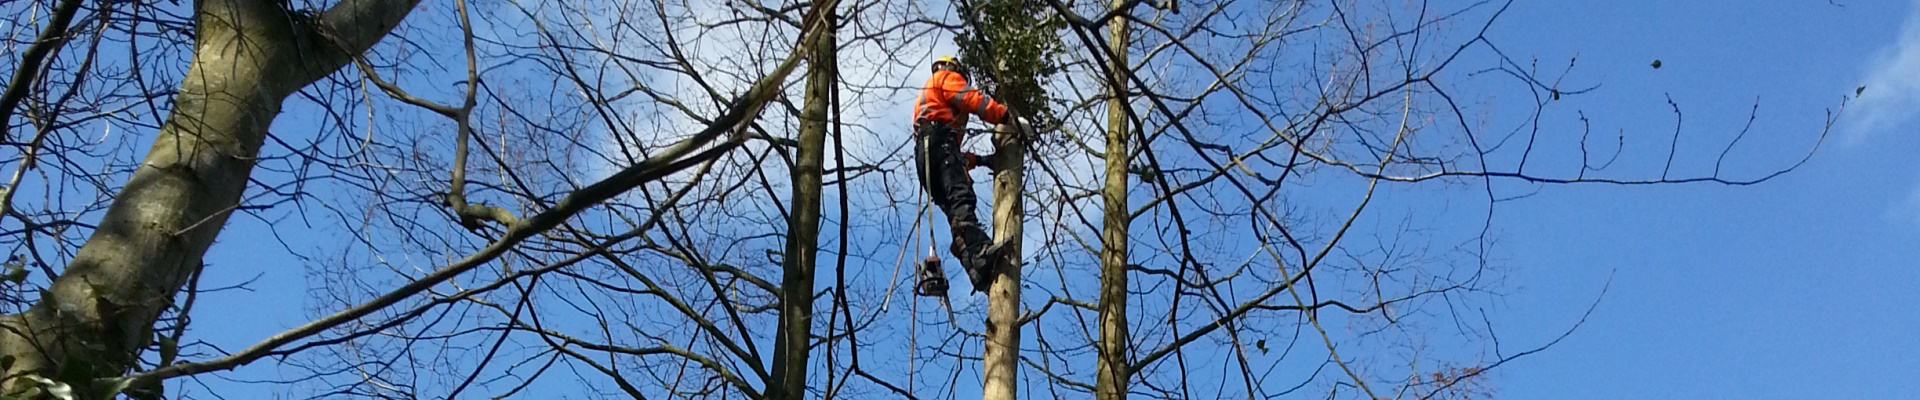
x=983 y=265
x=976 y=264
x=932 y=279
x=1000 y=256
x=997 y=253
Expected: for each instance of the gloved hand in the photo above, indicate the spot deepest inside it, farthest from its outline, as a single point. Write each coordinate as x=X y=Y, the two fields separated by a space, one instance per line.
x=977 y=161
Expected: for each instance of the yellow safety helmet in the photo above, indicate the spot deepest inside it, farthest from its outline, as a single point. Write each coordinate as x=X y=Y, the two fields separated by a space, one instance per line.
x=947 y=59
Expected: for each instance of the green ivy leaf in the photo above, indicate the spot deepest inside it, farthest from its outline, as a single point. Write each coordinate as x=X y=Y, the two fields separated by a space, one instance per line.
x=74 y=369
x=16 y=271
x=169 y=350
x=112 y=387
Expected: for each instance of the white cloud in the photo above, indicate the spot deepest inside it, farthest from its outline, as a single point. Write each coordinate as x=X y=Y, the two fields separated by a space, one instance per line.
x=1892 y=83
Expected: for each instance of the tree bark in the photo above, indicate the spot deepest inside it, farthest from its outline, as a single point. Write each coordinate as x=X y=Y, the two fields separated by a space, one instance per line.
x=803 y=228
x=249 y=56
x=1003 y=297
x=1111 y=382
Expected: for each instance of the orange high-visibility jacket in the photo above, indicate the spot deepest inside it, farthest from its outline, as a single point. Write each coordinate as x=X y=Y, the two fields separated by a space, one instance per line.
x=947 y=99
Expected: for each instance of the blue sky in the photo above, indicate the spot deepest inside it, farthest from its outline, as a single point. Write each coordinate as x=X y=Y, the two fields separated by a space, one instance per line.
x=1801 y=287
x=1797 y=288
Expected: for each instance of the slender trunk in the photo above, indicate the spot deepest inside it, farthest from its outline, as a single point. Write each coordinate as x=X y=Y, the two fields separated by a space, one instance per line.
x=1113 y=376
x=803 y=234
x=249 y=56
x=1003 y=297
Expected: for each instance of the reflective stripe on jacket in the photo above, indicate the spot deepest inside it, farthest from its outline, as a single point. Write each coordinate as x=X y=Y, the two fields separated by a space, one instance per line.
x=947 y=99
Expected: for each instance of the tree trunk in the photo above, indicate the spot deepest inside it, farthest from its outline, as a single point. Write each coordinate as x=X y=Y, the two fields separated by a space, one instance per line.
x=249 y=56
x=1111 y=383
x=1003 y=297
x=803 y=230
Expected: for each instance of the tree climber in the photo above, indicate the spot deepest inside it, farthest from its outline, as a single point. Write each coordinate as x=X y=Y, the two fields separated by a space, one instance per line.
x=940 y=121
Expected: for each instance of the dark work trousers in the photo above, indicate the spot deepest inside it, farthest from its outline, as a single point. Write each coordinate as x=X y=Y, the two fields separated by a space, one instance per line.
x=943 y=174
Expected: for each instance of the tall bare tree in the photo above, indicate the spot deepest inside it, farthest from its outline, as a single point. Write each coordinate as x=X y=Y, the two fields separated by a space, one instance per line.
x=1111 y=382
x=249 y=56
x=803 y=233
